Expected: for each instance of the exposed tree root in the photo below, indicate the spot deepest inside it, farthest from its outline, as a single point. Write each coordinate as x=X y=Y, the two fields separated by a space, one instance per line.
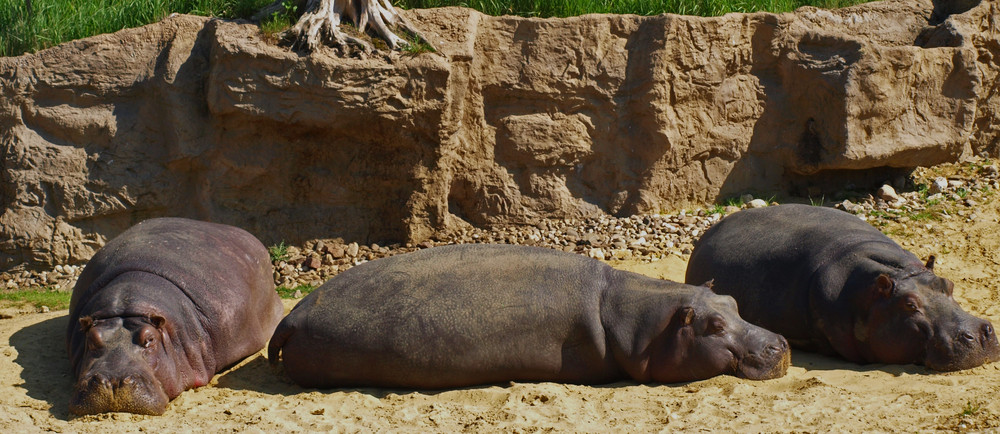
x=321 y=21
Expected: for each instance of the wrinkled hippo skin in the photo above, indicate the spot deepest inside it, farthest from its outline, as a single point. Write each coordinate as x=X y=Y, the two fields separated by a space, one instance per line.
x=477 y=314
x=162 y=308
x=829 y=282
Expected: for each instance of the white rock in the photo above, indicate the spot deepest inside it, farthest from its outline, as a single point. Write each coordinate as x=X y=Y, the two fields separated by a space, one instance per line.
x=757 y=203
x=938 y=185
x=596 y=254
x=956 y=183
x=888 y=194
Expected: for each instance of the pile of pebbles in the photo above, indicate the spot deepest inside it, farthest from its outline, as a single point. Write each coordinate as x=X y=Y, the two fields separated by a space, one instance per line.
x=641 y=237
x=644 y=238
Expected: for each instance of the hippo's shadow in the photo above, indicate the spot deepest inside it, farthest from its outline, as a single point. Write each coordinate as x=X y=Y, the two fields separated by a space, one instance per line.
x=41 y=352
x=818 y=362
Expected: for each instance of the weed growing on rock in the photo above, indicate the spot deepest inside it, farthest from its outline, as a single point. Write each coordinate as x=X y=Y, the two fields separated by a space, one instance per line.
x=278 y=252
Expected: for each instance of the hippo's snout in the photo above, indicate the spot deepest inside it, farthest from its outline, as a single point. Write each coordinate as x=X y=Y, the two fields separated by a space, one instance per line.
x=771 y=360
x=98 y=393
x=973 y=344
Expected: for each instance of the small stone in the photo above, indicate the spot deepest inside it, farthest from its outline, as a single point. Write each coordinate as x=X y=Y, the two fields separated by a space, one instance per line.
x=731 y=209
x=336 y=252
x=746 y=198
x=757 y=203
x=888 y=194
x=956 y=183
x=297 y=294
x=352 y=250
x=320 y=247
x=937 y=186
x=425 y=245
x=851 y=207
x=45 y=309
x=990 y=171
x=596 y=254
x=313 y=262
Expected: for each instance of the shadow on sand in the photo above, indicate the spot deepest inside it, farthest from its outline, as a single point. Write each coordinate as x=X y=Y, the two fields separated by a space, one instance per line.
x=818 y=362
x=41 y=353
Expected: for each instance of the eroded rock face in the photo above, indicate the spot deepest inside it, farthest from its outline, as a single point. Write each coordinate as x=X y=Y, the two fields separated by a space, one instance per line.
x=511 y=120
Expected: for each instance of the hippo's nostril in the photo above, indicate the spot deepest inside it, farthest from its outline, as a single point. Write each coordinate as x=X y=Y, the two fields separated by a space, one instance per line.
x=99 y=381
x=987 y=331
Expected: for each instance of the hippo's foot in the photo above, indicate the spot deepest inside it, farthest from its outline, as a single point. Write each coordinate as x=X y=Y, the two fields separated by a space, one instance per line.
x=320 y=23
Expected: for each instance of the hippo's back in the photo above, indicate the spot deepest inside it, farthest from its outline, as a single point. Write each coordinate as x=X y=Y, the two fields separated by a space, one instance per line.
x=445 y=316
x=766 y=259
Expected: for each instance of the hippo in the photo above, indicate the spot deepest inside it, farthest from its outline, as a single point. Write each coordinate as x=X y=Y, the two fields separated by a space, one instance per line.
x=163 y=307
x=831 y=283
x=475 y=314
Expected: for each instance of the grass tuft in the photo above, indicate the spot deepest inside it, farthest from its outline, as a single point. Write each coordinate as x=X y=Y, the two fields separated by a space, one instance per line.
x=285 y=292
x=278 y=252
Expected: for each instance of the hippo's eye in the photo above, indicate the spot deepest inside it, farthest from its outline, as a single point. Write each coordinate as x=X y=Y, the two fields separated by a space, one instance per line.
x=715 y=327
x=146 y=337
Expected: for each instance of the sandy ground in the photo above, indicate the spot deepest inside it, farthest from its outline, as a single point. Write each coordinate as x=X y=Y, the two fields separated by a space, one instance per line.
x=817 y=394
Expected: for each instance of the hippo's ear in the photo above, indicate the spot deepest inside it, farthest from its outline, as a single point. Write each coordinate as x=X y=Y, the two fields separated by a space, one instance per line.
x=86 y=323
x=884 y=287
x=945 y=286
x=709 y=284
x=157 y=321
x=930 y=262
x=683 y=316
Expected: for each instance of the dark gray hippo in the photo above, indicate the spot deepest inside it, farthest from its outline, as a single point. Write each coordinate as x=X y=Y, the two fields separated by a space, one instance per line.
x=162 y=308
x=478 y=314
x=831 y=283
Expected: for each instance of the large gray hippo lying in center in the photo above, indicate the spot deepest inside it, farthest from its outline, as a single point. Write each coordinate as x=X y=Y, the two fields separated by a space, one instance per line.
x=830 y=282
x=162 y=308
x=477 y=314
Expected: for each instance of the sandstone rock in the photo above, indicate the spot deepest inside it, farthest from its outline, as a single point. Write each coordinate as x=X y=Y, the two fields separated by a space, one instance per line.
x=353 y=249
x=513 y=120
x=757 y=203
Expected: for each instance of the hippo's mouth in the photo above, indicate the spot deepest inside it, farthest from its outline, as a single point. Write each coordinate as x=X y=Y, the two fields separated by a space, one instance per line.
x=131 y=394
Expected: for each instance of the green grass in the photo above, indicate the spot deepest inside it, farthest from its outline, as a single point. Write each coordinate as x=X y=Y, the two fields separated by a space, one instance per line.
x=285 y=292
x=38 y=297
x=971 y=408
x=52 y=22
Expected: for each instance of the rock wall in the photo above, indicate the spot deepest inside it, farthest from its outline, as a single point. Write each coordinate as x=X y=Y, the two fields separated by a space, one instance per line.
x=511 y=120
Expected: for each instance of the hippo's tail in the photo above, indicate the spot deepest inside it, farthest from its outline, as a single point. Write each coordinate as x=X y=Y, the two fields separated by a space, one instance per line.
x=278 y=340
